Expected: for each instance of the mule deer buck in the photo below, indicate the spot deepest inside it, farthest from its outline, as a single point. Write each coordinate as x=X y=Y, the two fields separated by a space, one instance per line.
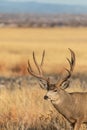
x=73 y=106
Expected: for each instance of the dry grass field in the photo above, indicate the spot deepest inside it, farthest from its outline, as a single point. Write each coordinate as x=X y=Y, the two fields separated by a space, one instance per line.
x=16 y=46
x=22 y=106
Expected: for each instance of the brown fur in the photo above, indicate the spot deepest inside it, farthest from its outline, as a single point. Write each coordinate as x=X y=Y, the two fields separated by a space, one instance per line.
x=71 y=105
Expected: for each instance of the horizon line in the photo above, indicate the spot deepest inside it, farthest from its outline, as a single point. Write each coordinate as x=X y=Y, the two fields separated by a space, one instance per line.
x=43 y=2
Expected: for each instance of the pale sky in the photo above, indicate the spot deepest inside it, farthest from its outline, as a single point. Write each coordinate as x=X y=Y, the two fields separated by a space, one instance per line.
x=80 y=2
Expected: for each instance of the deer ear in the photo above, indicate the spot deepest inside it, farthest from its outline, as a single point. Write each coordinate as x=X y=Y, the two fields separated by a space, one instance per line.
x=43 y=84
x=65 y=84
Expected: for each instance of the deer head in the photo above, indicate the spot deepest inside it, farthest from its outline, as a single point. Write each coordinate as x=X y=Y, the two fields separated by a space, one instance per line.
x=55 y=90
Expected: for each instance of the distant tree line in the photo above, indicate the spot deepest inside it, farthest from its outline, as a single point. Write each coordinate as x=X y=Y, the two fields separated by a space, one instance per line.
x=45 y=20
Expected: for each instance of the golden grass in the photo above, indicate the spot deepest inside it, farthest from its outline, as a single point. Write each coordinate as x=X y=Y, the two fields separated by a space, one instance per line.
x=16 y=46
x=24 y=108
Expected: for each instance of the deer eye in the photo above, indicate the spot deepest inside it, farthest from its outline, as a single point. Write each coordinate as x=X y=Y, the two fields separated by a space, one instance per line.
x=55 y=90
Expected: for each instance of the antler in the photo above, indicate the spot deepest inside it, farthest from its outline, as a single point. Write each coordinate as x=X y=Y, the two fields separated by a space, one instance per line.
x=72 y=64
x=40 y=72
x=30 y=70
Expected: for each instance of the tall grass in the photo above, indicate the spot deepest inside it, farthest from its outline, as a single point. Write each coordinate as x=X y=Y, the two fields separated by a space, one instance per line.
x=25 y=109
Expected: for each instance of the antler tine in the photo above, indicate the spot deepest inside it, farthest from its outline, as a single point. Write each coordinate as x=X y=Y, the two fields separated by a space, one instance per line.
x=72 y=64
x=30 y=70
x=38 y=68
x=43 y=55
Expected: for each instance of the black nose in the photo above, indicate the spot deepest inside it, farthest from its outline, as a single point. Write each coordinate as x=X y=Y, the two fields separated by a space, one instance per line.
x=45 y=97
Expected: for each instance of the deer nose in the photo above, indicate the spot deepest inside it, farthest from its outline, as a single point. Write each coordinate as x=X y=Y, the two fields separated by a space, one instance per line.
x=45 y=97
